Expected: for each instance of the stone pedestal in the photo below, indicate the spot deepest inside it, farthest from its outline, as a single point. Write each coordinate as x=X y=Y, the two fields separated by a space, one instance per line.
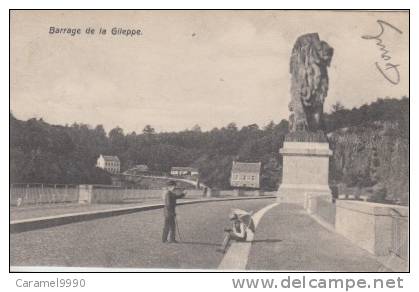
x=305 y=170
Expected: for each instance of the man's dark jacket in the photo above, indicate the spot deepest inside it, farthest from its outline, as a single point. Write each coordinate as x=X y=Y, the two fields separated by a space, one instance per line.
x=170 y=203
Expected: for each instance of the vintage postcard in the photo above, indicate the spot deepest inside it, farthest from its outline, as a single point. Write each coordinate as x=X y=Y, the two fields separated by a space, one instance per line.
x=185 y=140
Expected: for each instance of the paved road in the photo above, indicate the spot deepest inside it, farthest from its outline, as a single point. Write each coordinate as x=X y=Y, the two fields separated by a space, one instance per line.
x=132 y=240
x=287 y=238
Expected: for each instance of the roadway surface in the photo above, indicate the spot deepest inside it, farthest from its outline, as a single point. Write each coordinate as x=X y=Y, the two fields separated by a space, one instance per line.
x=286 y=238
x=131 y=241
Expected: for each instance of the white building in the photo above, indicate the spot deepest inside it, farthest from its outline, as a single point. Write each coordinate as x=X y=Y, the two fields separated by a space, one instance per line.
x=184 y=171
x=245 y=174
x=109 y=163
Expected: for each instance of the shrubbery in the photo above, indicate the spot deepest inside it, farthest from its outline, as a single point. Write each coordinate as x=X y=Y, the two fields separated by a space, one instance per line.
x=41 y=152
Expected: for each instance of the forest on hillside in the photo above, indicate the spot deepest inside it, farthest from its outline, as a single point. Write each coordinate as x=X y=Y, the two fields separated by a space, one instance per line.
x=45 y=153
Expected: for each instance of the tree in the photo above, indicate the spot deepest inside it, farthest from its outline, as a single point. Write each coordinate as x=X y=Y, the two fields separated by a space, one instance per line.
x=196 y=128
x=117 y=141
x=148 y=130
x=100 y=131
x=116 y=133
x=269 y=127
x=338 y=106
x=40 y=152
x=232 y=127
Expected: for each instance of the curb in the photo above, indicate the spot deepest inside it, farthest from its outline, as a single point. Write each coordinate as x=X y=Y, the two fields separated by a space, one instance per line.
x=18 y=226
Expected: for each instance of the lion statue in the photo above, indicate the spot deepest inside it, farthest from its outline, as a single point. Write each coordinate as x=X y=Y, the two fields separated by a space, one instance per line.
x=309 y=82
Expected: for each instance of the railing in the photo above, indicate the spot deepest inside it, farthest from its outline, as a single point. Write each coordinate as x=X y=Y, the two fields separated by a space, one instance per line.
x=43 y=194
x=47 y=194
x=36 y=194
x=112 y=194
x=400 y=235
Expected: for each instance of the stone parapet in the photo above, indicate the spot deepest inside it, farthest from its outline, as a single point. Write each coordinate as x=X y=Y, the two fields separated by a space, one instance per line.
x=371 y=225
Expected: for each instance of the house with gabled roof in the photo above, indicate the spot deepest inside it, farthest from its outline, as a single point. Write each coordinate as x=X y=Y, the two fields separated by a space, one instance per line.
x=245 y=174
x=111 y=164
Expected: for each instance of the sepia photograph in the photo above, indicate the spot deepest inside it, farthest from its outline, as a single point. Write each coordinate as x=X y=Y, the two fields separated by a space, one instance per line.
x=209 y=140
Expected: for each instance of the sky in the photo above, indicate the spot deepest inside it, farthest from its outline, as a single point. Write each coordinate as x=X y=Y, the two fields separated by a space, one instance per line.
x=192 y=67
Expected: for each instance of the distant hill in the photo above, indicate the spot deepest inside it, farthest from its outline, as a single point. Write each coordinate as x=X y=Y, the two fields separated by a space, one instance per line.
x=41 y=152
x=371 y=150
x=371 y=156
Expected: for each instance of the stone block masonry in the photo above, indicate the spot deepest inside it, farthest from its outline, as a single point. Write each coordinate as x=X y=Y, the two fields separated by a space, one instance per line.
x=305 y=170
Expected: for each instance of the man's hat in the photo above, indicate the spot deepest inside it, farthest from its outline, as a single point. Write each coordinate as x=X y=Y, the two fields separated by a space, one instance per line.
x=233 y=216
x=171 y=183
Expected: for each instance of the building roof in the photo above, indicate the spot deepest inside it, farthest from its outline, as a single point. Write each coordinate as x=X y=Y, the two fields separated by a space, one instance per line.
x=181 y=168
x=141 y=167
x=111 y=158
x=253 y=167
x=137 y=168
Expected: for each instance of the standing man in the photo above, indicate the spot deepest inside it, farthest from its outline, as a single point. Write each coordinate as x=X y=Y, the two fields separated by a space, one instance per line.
x=170 y=198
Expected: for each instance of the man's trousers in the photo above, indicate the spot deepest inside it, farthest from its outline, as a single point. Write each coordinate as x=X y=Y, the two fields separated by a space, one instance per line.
x=169 y=228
